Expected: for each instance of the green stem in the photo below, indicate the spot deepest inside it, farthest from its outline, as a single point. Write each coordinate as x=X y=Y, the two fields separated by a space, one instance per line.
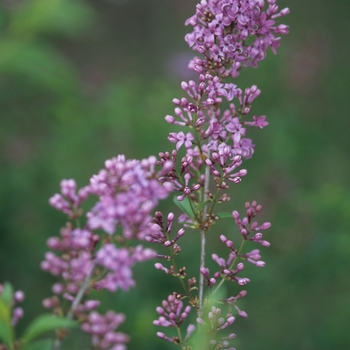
x=181 y=280
x=203 y=239
x=179 y=335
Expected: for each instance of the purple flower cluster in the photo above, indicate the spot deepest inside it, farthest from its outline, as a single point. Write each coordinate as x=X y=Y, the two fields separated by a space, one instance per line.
x=102 y=329
x=161 y=233
x=97 y=254
x=247 y=227
x=128 y=191
x=119 y=263
x=79 y=258
x=219 y=140
x=232 y=33
x=172 y=315
x=229 y=35
x=75 y=246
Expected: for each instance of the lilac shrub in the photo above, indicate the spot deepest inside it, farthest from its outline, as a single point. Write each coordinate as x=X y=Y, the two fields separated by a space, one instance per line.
x=97 y=249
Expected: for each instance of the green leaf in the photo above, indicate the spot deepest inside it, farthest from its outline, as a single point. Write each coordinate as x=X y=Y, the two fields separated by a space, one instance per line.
x=224 y=215
x=5 y=312
x=202 y=205
x=6 y=334
x=185 y=206
x=7 y=294
x=45 y=344
x=45 y=323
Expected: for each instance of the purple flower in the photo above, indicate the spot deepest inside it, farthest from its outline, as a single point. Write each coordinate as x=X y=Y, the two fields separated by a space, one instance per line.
x=233 y=126
x=181 y=139
x=186 y=189
x=260 y=122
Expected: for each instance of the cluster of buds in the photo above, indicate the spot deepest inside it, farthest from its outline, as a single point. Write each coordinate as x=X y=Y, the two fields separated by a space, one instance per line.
x=172 y=315
x=247 y=227
x=211 y=324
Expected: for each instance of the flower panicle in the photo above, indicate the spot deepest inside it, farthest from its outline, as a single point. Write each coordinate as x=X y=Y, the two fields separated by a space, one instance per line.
x=213 y=141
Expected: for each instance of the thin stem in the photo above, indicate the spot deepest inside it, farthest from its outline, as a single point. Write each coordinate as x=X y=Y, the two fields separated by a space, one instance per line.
x=203 y=239
x=180 y=279
x=179 y=335
x=201 y=277
x=57 y=342
x=230 y=267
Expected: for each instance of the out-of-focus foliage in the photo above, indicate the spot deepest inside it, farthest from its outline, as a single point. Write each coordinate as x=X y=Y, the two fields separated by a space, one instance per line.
x=81 y=81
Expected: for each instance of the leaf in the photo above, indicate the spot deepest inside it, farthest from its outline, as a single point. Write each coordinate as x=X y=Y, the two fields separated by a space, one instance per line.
x=185 y=206
x=202 y=205
x=7 y=294
x=5 y=312
x=224 y=215
x=45 y=323
x=45 y=344
x=6 y=334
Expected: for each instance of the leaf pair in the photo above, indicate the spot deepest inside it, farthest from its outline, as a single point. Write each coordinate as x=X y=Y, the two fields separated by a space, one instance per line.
x=186 y=207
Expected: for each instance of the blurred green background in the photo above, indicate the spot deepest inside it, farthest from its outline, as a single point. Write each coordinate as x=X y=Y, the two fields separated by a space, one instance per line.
x=84 y=80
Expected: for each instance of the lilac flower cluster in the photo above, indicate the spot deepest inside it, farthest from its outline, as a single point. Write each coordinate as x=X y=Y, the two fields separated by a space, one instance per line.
x=102 y=328
x=119 y=263
x=219 y=141
x=161 y=234
x=229 y=35
x=172 y=315
x=220 y=34
x=97 y=254
x=229 y=270
x=232 y=33
x=128 y=190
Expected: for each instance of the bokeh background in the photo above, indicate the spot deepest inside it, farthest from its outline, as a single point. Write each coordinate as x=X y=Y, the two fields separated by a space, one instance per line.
x=84 y=80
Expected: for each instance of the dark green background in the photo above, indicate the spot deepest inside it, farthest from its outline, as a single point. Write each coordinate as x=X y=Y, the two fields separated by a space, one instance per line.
x=82 y=81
